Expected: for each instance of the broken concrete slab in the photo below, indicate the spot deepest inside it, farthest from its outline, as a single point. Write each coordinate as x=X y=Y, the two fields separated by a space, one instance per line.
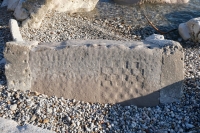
x=140 y=73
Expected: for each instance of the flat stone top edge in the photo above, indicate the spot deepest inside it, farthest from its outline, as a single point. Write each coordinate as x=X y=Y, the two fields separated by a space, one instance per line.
x=97 y=43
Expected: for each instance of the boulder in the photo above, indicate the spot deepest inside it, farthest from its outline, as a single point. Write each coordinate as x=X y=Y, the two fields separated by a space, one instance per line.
x=34 y=11
x=106 y=71
x=12 y=4
x=190 y=30
x=127 y=2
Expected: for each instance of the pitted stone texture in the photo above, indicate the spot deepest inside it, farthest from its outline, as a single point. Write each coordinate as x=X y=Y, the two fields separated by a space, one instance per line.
x=20 y=77
x=100 y=70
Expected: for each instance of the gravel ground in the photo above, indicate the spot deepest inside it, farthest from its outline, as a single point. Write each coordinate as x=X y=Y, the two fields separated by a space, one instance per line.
x=69 y=115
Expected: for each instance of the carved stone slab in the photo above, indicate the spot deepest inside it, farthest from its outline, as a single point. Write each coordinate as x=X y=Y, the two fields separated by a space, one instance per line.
x=140 y=73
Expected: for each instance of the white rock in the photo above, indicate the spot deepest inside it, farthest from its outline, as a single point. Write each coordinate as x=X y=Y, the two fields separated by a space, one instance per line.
x=14 y=29
x=158 y=40
x=13 y=107
x=4 y=3
x=184 y=31
x=155 y=37
x=194 y=27
x=73 y=5
x=12 y=4
x=190 y=30
x=20 y=13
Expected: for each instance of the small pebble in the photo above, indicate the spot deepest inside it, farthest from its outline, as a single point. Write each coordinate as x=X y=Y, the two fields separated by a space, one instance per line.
x=13 y=107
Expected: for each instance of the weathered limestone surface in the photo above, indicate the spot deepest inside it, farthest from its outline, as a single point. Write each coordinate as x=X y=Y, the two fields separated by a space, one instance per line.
x=140 y=73
x=151 y=1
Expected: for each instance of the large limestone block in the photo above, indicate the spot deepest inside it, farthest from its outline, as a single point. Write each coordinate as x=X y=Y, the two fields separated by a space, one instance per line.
x=151 y=1
x=37 y=9
x=190 y=30
x=140 y=73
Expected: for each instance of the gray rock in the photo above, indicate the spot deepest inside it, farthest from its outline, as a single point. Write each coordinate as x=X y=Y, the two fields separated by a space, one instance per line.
x=10 y=126
x=102 y=71
x=13 y=107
